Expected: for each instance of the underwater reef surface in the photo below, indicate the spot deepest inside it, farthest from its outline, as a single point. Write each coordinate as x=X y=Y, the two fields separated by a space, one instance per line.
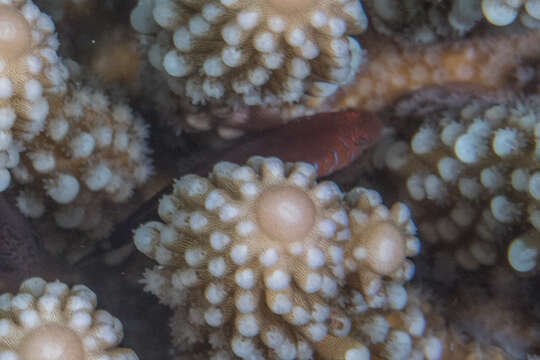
x=125 y=132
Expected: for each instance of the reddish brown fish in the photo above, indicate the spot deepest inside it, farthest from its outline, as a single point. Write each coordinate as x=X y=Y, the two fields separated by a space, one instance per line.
x=330 y=141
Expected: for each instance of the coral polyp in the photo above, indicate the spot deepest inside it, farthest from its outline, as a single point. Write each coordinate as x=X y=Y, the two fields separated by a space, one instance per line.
x=51 y=321
x=381 y=241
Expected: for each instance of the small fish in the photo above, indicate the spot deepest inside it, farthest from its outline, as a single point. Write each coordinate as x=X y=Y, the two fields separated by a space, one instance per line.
x=329 y=141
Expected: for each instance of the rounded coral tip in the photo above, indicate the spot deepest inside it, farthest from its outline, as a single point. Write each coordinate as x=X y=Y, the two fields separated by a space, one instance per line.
x=15 y=33
x=285 y=213
x=52 y=342
x=386 y=248
x=523 y=252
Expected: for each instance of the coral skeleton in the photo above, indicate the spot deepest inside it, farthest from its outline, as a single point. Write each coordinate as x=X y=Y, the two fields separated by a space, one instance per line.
x=256 y=258
x=477 y=169
x=51 y=321
x=263 y=52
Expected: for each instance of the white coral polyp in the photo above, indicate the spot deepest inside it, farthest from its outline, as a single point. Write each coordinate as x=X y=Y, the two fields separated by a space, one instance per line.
x=504 y=12
x=50 y=321
x=263 y=51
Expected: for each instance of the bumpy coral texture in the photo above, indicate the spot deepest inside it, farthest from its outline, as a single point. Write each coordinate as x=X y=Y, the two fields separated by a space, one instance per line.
x=451 y=337
x=504 y=12
x=90 y=155
x=381 y=239
x=425 y=21
x=484 y=63
x=66 y=153
x=30 y=71
x=254 y=261
x=422 y=21
x=257 y=52
x=478 y=170
x=50 y=321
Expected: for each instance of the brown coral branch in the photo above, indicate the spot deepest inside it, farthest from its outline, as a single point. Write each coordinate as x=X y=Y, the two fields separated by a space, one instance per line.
x=487 y=63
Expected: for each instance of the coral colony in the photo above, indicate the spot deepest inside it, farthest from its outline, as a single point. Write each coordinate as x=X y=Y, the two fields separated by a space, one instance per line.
x=433 y=103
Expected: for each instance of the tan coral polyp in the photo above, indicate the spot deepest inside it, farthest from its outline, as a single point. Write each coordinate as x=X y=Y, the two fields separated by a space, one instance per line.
x=386 y=248
x=52 y=342
x=285 y=213
x=286 y=6
x=15 y=33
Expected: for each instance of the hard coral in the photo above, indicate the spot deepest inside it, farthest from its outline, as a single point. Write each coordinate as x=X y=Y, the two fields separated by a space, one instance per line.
x=439 y=320
x=477 y=168
x=425 y=21
x=50 y=321
x=487 y=64
x=256 y=258
x=422 y=21
x=259 y=52
x=61 y=147
x=30 y=71
x=264 y=244
x=91 y=154
x=504 y=12
x=381 y=239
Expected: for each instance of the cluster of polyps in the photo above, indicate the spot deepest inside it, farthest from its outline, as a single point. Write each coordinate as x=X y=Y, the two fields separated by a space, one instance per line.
x=261 y=255
x=263 y=51
x=50 y=321
x=423 y=21
x=30 y=71
x=90 y=153
x=61 y=147
x=381 y=238
x=487 y=155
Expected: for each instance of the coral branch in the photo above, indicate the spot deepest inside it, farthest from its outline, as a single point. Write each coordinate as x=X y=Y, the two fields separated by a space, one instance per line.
x=391 y=72
x=30 y=71
x=263 y=51
x=259 y=255
x=477 y=169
